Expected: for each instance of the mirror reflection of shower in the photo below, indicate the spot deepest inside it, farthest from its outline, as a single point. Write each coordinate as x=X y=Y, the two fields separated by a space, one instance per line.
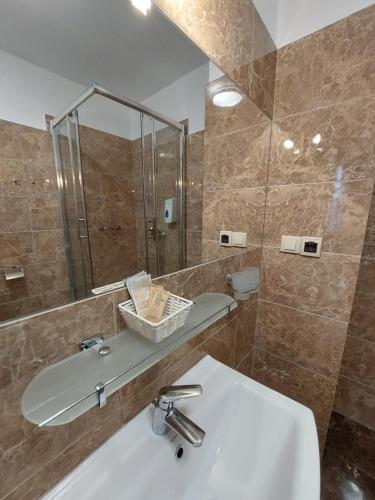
x=120 y=172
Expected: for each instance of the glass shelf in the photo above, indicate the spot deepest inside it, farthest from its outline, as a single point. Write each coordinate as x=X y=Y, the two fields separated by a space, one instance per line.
x=65 y=390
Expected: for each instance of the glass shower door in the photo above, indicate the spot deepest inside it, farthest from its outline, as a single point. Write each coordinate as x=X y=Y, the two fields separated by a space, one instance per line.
x=163 y=195
x=72 y=203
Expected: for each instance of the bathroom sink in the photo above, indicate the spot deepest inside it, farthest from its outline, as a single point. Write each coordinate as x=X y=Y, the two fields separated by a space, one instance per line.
x=259 y=445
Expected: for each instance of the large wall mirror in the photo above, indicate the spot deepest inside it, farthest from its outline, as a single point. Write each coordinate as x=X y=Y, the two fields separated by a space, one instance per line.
x=113 y=158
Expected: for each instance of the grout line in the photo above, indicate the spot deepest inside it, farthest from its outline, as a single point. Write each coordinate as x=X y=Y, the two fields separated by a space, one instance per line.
x=357 y=382
x=212 y=138
x=328 y=106
x=318 y=183
x=226 y=190
x=305 y=312
x=361 y=340
x=297 y=364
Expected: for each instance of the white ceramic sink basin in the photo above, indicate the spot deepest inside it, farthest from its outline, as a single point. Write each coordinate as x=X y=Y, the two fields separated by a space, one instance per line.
x=259 y=445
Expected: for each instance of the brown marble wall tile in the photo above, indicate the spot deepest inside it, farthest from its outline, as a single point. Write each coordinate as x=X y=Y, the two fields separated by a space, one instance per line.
x=342 y=66
x=263 y=68
x=310 y=341
x=21 y=288
x=362 y=319
x=335 y=211
x=226 y=33
x=311 y=389
x=14 y=213
x=366 y=275
x=10 y=147
x=246 y=323
x=246 y=365
x=359 y=361
x=353 y=442
x=45 y=213
x=237 y=160
x=323 y=286
x=48 y=245
x=212 y=250
x=18 y=308
x=16 y=249
x=235 y=210
x=221 y=120
x=12 y=177
x=344 y=151
x=355 y=401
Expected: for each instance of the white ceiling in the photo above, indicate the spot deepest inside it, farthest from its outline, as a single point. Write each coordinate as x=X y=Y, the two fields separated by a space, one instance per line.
x=289 y=20
x=107 y=41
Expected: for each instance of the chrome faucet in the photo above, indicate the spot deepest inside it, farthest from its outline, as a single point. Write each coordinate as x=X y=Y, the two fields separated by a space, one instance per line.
x=166 y=416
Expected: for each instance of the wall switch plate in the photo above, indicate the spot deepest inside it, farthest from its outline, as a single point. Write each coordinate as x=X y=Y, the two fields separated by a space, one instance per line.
x=239 y=239
x=311 y=246
x=290 y=244
x=225 y=239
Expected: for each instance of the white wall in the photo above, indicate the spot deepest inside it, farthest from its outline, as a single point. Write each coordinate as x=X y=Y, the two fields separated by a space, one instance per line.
x=289 y=20
x=184 y=98
x=28 y=92
x=269 y=12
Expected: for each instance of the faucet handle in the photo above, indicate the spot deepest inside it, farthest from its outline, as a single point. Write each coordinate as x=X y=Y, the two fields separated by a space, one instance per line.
x=172 y=393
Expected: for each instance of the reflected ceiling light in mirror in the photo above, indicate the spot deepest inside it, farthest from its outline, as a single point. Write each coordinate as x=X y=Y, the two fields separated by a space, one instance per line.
x=142 y=5
x=227 y=98
x=288 y=144
x=317 y=138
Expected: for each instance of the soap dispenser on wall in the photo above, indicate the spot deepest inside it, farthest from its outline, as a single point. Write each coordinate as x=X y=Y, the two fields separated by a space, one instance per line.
x=170 y=208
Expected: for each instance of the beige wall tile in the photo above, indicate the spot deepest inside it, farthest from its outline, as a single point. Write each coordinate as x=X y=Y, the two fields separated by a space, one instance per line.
x=313 y=390
x=12 y=177
x=335 y=211
x=311 y=341
x=362 y=319
x=323 y=286
x=345 y=151
x=342 y=67
x=14 y=214
x=359 y=361
x=355 y=401
x=236 y=210
x=238 y=160
x=246 y=322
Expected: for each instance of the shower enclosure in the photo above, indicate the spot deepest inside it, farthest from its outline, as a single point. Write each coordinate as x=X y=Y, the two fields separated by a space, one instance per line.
x=121 y=199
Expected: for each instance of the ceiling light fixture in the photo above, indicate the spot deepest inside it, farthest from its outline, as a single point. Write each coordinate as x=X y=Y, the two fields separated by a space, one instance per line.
x=142 y=5
x=227 y=98
x=317 y=138
x=288 y=144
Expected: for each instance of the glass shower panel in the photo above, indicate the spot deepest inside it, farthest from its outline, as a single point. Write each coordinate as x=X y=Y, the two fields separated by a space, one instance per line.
x=151 y=229
x=168 y=197
x=66 y=140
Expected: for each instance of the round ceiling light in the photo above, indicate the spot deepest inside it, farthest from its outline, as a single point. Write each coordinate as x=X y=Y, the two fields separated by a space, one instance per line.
x=227 y=98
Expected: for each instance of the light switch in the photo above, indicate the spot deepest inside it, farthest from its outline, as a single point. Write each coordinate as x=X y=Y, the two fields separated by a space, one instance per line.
x=311 y=246
x=239 y=239
x=290 y=244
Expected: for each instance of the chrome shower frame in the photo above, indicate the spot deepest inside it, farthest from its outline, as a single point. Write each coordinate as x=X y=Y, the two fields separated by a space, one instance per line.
x=72 y=110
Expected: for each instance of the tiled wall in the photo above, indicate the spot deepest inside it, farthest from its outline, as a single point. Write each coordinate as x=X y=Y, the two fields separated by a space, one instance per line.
x=355 y=394
x=194 y=196
x=324 y=85
x=233 y=35
x=33 y=459
x=107 y=167
x=236 y=155
x=30 y=226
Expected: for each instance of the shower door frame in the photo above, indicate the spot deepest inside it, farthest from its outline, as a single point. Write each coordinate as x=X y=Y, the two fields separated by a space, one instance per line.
x=72 y=110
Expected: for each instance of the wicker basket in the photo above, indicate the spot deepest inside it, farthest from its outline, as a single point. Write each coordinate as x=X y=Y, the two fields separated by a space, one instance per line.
x=175 y=314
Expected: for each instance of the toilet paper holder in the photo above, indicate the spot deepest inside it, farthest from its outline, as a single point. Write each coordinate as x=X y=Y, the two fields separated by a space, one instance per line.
x=13 y=273
x=244 y=282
